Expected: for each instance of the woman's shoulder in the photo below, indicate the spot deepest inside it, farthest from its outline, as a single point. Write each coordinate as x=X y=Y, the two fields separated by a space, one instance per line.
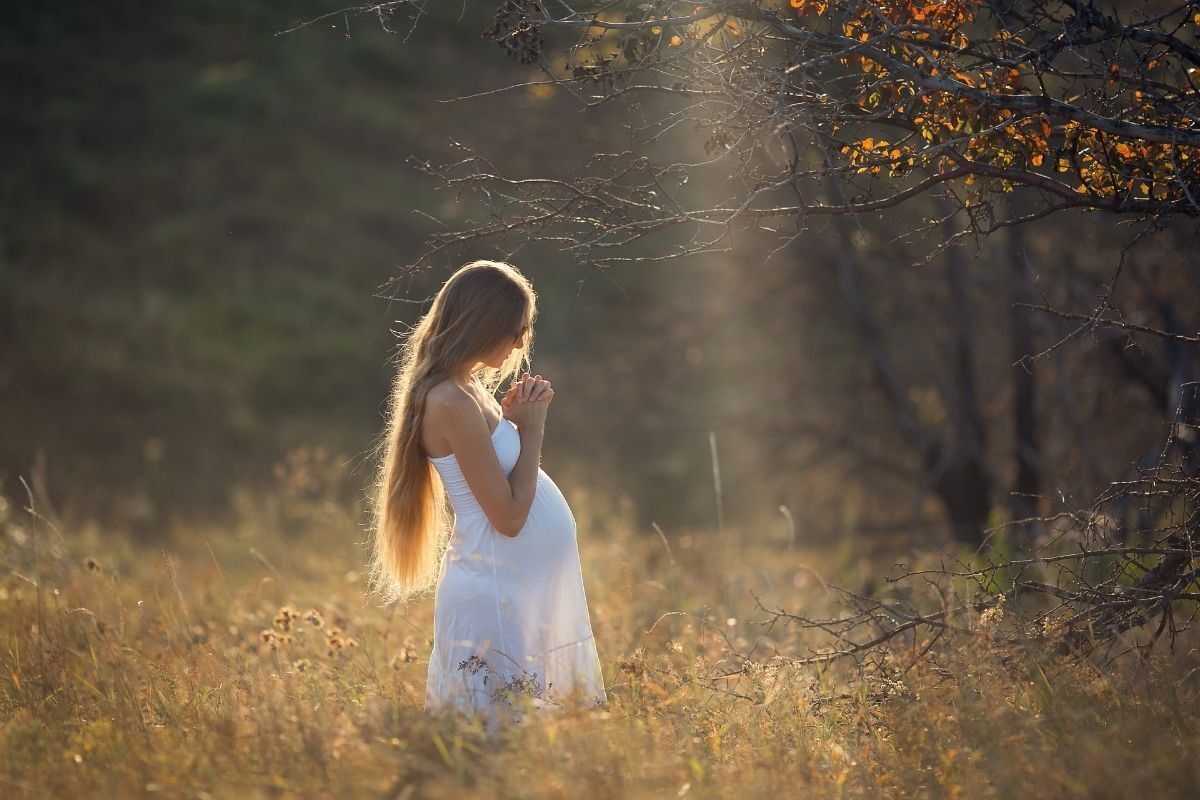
x=448 y=405
x=450 y=397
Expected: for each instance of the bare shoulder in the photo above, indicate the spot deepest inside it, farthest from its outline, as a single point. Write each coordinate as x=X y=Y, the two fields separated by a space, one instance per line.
x=448 y=407
x=448 y=402
x=447 y=393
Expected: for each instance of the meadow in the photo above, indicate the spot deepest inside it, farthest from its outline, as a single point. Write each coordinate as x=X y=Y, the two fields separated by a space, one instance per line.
x=210 y=237
x=246 y=661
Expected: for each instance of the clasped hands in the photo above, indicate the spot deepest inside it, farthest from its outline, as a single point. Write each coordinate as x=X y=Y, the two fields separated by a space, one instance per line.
x=526 y=401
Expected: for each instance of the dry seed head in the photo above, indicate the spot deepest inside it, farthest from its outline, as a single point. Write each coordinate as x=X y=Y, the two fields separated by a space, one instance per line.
x=991 y=617
x=634 y=663
x=283 y=620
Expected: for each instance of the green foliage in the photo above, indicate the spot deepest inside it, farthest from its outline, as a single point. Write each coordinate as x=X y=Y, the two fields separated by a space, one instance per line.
x=199 y=213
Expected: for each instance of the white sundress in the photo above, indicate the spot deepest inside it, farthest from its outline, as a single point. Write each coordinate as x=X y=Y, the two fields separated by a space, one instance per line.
x=510 y=613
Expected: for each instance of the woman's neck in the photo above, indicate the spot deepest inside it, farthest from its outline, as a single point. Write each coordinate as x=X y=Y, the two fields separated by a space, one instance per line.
x=465 y=376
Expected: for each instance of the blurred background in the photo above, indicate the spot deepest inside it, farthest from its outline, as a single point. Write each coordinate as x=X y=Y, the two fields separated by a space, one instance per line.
x=198 y=217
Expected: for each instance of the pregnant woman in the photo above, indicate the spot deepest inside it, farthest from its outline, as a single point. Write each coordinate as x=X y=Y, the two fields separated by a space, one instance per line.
x=511 y=622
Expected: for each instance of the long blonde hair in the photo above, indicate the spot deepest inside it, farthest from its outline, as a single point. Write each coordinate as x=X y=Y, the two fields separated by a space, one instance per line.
x=481 y=306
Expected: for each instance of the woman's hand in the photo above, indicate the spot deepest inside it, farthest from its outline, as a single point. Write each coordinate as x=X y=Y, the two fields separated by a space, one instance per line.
x=507 y=400
x=526 y=402
x=523 y=389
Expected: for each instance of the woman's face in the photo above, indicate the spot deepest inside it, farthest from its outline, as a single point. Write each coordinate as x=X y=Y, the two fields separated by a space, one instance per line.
x=504 y=350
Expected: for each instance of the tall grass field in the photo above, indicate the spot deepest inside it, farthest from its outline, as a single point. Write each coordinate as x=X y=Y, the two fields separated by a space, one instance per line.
x=244 y=660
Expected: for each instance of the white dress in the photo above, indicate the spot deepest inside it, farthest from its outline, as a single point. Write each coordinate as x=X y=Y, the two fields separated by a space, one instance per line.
x=510 y=613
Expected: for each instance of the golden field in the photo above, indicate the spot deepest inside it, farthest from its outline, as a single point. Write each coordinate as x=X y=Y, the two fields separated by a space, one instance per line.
x=243 y=660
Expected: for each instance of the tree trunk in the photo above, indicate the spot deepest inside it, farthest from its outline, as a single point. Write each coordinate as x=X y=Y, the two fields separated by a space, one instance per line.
x=953 y=461
x=1023 y=503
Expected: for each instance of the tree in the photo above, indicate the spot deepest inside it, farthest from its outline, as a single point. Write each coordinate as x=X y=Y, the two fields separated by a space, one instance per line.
x=893 y=100
x=812 y=109
x=762 y=116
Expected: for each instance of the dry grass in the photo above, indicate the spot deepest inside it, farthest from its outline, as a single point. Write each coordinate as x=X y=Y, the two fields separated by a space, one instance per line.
x=245 y=663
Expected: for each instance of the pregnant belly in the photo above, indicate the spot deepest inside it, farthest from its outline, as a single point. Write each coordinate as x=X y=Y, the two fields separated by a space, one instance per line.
x=550 y=525
x=524 y=575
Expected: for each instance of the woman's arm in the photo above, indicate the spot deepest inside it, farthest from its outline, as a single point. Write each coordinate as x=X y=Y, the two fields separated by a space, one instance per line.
x=505 y=501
